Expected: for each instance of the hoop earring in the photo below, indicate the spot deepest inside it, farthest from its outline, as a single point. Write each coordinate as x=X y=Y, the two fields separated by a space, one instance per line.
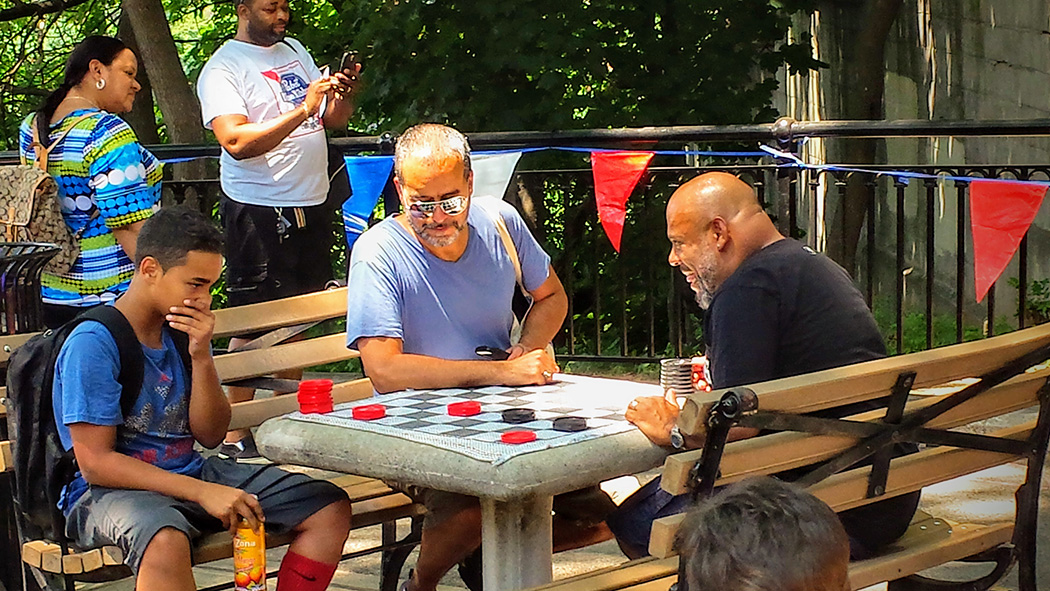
x=101 y=83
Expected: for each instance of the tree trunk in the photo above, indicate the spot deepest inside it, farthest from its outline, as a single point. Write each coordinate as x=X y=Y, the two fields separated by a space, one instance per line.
x=178 y=102
x=863 y=89
x=141 y=118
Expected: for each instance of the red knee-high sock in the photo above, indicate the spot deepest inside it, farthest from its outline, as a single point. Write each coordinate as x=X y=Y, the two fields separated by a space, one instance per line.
x=299 y=573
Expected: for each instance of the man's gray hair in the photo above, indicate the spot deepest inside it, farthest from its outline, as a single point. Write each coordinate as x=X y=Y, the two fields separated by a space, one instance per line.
x=430 y=143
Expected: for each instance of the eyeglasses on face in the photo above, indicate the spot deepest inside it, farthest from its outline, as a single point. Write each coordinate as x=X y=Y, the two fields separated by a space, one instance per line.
x=451 y=206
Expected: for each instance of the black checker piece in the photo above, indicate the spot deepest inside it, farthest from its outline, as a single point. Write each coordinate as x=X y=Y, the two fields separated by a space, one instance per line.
x=516 y=416
x=570 y=424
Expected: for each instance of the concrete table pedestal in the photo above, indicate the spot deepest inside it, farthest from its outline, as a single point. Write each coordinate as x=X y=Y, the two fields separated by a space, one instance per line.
x=516 y=542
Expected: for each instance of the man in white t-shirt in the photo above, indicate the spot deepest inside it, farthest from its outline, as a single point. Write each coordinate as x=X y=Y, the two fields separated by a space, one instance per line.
x=269 y=105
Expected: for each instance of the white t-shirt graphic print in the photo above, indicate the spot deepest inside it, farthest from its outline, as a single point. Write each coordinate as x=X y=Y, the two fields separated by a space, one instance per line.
x=262 y=83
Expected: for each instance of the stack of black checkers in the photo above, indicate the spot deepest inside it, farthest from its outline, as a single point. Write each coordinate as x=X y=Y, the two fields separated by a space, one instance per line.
x=677 y=374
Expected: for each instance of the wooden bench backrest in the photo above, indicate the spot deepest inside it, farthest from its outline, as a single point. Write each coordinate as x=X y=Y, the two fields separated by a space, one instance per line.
x=311 y=307
x=874 y=379
x=777 y=452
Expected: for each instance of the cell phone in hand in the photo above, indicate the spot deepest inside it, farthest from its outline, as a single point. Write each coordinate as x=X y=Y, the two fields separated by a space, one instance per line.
x=347 y=63
x=493 y=353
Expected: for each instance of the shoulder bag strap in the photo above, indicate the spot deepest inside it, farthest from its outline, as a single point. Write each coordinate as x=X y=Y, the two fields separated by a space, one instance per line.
x=42 y=152
x=512 y=251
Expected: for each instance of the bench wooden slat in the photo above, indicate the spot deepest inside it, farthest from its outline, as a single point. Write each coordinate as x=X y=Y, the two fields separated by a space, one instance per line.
x=250 y=364
x=252 y=413
x=927 y=543
x=6 y=461
x=875 y=379
x=264 y=316
x=373 y=512
x=610 y=578
x=908 y=556
x=848 y=489
x=662 y=584
x=777 y=452
x=9 y=343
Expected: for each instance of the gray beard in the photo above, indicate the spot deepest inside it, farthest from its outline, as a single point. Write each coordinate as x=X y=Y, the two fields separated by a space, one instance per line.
x=439 y=242
x=436 y=242
x=703 y=298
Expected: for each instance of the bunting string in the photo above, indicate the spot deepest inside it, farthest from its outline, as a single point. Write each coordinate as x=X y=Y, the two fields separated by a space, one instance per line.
x=1001 y=210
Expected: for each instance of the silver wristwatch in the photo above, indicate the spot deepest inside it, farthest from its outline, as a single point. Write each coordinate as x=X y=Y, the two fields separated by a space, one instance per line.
x=677 y=439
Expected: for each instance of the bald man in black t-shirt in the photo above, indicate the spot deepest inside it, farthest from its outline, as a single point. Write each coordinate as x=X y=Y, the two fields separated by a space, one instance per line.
x=774 y=308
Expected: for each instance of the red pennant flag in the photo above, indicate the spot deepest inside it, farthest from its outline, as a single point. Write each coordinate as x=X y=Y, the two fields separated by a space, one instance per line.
x=1000 y=213
x=615 y=176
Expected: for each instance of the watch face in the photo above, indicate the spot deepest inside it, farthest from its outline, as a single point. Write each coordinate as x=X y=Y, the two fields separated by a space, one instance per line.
x=677 y=441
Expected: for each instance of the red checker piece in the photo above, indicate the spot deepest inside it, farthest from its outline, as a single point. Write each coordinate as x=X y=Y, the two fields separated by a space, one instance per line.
x=369 y=412
x=464 y=409
x=516 y=437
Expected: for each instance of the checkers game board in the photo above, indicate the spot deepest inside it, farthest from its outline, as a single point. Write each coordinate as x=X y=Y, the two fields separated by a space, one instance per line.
x=421 y=415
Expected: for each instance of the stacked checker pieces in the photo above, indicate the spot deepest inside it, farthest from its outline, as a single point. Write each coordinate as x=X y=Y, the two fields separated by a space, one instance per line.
x=468 y=408
x=677 y=375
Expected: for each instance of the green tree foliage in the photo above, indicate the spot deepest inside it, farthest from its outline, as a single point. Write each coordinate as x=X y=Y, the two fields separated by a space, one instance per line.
x=33 y=53
x=551 y=64
x=489 y=66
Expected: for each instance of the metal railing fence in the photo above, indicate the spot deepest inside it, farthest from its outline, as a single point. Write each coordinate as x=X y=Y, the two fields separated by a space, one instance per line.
x=913 y=256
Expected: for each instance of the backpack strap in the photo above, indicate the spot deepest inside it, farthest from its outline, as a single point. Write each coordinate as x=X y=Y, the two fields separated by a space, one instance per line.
x=129 y=349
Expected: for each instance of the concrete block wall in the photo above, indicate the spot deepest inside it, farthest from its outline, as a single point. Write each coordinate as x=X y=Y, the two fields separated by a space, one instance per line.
x=950 y=60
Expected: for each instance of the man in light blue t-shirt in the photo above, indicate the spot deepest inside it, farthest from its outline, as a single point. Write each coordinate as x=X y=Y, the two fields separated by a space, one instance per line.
x=429 y=286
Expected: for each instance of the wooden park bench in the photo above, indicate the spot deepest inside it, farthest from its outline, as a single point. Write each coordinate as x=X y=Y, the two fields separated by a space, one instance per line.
x=1009 y=378
x=374 y=503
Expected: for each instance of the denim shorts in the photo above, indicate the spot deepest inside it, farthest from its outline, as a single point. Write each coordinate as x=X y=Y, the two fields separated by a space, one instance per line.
x=129 y=519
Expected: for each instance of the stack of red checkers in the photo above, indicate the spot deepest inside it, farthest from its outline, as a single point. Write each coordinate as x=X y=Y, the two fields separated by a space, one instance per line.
x=315 y=396
x=369 y=412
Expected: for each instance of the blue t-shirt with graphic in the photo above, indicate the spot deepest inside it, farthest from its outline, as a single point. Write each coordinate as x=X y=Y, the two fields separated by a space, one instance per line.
x=87 y=391
x=396 y=288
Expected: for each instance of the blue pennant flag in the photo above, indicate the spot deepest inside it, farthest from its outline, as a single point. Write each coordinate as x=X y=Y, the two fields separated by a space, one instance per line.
x=368 y=176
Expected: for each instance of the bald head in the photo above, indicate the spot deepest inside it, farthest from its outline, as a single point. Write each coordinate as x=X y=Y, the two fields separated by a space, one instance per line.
x=715 y=194
x=714 y=222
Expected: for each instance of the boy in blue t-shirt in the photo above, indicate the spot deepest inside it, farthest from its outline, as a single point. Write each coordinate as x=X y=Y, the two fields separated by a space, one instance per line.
x=142 y=486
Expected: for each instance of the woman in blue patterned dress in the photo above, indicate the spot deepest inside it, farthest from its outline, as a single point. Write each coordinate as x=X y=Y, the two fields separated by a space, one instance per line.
x=108 y=183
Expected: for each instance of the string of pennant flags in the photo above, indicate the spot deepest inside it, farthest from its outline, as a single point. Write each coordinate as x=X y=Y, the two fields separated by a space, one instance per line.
x=1001 y=210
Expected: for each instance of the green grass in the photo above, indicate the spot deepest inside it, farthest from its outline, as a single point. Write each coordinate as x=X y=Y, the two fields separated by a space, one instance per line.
x=637 y=372
x=944 y=330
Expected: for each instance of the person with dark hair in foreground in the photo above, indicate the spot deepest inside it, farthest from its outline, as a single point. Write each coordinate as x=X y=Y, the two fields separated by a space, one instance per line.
x=763 y=534
x=141 y=485
x=108 y=184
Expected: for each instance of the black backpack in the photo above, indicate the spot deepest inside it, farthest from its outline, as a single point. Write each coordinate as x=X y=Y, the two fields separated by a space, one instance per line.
x=42 y=466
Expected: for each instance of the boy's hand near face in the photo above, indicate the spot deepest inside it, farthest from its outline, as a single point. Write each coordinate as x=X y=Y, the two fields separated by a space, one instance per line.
x=196 y=319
